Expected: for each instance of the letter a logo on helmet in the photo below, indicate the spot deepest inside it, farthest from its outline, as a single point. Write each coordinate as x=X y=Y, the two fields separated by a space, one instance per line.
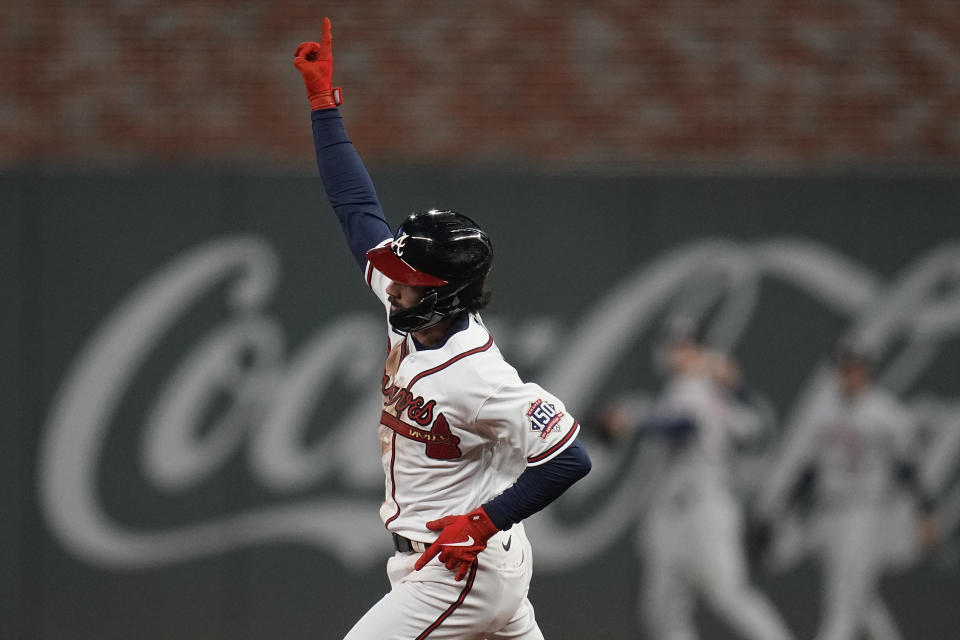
x=446 y=252
x=397 y=245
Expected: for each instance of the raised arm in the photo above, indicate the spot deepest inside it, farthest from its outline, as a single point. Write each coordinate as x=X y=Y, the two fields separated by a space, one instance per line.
x=348 y=186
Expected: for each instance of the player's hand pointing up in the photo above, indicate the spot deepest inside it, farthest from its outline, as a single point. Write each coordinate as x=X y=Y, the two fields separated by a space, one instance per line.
x=315 y=62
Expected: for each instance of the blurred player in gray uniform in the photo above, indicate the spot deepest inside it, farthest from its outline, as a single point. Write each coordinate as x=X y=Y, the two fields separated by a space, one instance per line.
x=692 y=538
x=859 y=448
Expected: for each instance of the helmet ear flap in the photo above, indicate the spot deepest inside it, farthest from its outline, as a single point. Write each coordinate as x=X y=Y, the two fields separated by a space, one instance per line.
x=449 y=298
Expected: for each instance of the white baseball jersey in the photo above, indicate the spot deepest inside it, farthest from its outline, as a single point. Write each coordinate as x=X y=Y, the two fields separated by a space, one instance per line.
x=458 y=425
x=858 y=442
x=699 y=468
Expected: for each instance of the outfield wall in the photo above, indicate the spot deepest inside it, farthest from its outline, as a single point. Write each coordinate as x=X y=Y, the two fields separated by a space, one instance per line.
x=190 y=371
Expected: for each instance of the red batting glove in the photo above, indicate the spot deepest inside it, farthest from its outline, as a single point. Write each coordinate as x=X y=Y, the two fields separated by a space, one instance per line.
x=315 y=63
x=461 y=539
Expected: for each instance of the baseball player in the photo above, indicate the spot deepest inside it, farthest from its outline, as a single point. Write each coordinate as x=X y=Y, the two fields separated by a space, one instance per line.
x=468 y=449
x=860 y=451
x=691 y=540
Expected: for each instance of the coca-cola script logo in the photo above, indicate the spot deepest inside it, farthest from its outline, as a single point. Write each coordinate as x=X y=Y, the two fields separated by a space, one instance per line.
x=914 y=313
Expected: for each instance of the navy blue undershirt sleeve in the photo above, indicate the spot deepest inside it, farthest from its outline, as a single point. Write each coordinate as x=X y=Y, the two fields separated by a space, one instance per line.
x=669 y=427
x=908 y=475
x=348 y=185
x=539 y=486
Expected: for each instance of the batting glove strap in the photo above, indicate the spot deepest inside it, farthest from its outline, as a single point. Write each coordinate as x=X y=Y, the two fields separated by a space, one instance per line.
x=326 y=99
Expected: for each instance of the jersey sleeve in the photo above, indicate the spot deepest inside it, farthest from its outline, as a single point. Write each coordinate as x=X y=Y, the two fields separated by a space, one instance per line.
x=534 y=418
x=348 y=186
x=378 y=282
x=685 y=398
x=702 y=401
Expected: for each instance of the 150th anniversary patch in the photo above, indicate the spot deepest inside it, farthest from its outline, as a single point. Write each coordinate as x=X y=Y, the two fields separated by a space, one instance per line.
x=543 y=417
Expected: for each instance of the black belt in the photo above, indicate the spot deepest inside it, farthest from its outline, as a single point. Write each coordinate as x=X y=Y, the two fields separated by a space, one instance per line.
x=405 y=545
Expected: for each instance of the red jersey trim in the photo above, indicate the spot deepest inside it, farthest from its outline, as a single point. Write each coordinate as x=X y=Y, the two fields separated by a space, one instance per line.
x=540 y=457
x=393 y=481
x=454 y=359
x=471 y=577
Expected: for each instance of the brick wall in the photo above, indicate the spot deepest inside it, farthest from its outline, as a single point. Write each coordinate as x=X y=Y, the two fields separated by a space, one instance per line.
x=773 y=83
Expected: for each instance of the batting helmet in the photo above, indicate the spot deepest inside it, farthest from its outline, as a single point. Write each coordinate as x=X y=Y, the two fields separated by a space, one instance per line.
x=444 y=251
